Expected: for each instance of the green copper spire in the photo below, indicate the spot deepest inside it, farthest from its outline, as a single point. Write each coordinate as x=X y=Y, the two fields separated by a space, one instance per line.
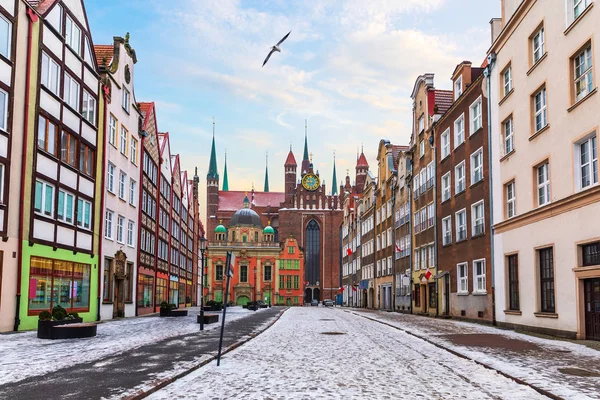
x=212 y=166
x=225 y=180
x=305 y=142
x=267 y=174
x=334 y=191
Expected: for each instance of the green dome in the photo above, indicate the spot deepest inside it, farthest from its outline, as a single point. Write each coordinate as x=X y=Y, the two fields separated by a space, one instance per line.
x=269 y=229
x=220 y=229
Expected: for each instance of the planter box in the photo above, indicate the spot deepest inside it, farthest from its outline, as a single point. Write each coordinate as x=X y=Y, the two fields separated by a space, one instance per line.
x=208 y=318
x=44 y=330
x=74 y=331
x=245 y=306
x=173 y=313
x=264 y=306
x=253 y=308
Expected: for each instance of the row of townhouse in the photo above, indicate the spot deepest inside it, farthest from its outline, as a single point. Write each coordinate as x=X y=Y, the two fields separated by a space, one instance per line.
x=500 y=180
x=79 y=163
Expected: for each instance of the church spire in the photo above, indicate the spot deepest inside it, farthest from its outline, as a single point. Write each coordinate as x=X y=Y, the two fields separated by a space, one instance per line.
x=267 y=173
x=225 y=180
x=305 y=160
x=212 y=166
x=334 y=191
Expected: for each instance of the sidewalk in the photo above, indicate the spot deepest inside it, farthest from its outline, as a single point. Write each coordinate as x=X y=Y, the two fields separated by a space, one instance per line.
x=126 y=357
x=564 y=369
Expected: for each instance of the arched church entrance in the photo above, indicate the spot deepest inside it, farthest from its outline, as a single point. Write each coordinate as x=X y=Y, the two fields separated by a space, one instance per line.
x=242 y=300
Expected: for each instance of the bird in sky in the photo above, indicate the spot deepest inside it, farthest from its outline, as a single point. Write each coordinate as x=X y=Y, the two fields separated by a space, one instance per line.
x=276 y=48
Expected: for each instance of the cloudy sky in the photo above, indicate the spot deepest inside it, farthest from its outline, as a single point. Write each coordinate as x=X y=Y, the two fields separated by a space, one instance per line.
x=348 y=67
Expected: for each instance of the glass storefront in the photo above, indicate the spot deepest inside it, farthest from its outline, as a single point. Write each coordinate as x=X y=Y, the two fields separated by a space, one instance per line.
x=145 y=287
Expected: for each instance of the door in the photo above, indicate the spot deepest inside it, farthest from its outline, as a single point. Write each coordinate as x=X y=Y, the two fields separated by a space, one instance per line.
x=119 y=300
x=446 y=294
x=592 y=308
x=242 y=300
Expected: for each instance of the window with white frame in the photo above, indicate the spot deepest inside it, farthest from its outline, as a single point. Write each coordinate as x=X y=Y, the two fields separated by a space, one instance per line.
x=423 y=218
x=421 y=148
x=421 y=123
x=459 y=177
x=446 y=182
x=511 y=200
x=110 y=178
x=378 y=267
x=539 y=103
x=108 y=224
x=122 y=178
x=2 y=169
x=389 y=236
x=416 y=223
x=378 y=242
x=123 y=141
x=65 y=210
x=133 y=150
x=3 y=110
x=508 y=130
x=446 y=143
x=112 y=130
x=543 y=184
x=458 y=88
x=477 y=166
x=431 y=256
x=461 y=225
x=416 y=259
x=383 y=241
x=44 y=198
x=424 y=257
x=477 y=218
x=586 y=158
x=479 y=276
x=459 y=131
x=120 y=228
x=84 y=214
x=463 y=278
x=423 y=180
x=73 y=35
x=89 y=108
x=71 y=92
x=416 y=184
x=475 y=116
x=576 y=8
x=126 y=100
x=507 y=80
x=5 y=36
x=430 y=215
x=390 y=265
x=430 y=175
x=537 y=45
x=384 y=266
x=50 y=73
x=132 y=185
x=447 y=230
x=584 y=83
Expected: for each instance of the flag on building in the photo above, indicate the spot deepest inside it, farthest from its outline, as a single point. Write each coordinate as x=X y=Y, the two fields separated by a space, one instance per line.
x=397 y=248
x=341 y=289
x=427 y=274
x=231 y=264
x=354 y=288
x=306 y=283
x=349 y=251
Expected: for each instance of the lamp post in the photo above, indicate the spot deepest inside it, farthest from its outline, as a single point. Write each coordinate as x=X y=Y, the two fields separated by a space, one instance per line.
x=202 y=250
x=255 y=288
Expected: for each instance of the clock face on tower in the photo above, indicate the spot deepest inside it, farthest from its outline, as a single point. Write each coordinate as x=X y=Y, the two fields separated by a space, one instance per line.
x=311 y=182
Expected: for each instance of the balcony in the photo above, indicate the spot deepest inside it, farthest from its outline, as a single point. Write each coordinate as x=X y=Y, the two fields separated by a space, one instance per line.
x=460 y=187
x=461 y=235
x=447 y=239
x=423 y=188
x=416 y=194
x=430 y=183
x=477 y=176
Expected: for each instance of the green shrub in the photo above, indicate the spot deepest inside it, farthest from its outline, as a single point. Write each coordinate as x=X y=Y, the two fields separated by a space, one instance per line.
x=74 y=315
x=164 y=305
x=45 y=316
x=59 y=315
x=172 y=306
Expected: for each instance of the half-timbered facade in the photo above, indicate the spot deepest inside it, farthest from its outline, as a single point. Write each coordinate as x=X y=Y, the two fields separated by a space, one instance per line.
x=176 y=260
x=122 y=171
x=61 y=224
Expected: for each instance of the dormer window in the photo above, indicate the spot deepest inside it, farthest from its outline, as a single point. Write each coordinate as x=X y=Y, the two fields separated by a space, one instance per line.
x=458 y=87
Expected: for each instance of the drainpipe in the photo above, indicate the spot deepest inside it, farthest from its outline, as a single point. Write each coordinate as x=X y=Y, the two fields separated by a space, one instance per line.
x=33 y=18
x=101 y=228
x=487 y=74
x=437 y=281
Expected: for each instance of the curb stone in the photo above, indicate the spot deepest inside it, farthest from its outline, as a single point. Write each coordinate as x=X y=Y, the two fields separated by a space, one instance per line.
x=160 y=384
x=456 y=353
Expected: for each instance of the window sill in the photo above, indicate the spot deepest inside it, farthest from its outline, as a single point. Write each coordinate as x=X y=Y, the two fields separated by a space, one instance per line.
x=538 y=62
x=477 y=131
x=544 y=129
x=584 y=98
x=513 y=312
x=507 y=155
x=458 y=147
x=447 y=244
x=476 y=183
x=477 y=236
x=576 y=20
x=461 y=240
x=545 y=315
x=459 y=193
x=107 y=302
x=443 y=201
x=484 y=293
x=462 y=293
x=506 y=96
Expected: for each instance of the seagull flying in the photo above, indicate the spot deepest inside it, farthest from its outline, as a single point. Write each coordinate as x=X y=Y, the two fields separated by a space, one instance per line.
x=276 y=48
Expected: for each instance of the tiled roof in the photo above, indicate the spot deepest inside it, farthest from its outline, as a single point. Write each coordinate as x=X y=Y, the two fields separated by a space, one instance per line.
x=290 y=160
x=396 y=149
x=104 y=51
x=145 y=109
x=443 y=100
x=362 y=161
x=234 y=200
x=484 y=63
x=42 y=5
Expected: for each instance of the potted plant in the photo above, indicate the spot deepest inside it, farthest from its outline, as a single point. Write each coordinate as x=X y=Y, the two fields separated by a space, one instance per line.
x=165 y=309
x=58 y=316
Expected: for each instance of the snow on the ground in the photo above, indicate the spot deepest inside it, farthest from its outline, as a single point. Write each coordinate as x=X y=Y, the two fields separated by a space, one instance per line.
x=536 y=367
x=23 y=355
x=294 y=360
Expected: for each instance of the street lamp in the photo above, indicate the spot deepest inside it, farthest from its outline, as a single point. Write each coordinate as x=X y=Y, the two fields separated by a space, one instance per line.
x=255 y=290
x=202 y=250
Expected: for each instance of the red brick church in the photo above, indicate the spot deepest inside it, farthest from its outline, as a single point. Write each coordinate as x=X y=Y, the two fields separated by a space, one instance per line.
x=304 y=211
